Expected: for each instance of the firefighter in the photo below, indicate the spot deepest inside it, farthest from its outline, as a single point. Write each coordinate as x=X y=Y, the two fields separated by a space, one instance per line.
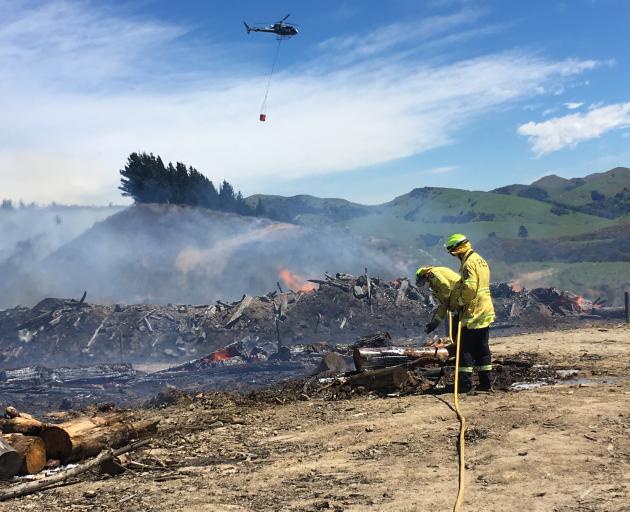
x=441 y=281
x=471 y=298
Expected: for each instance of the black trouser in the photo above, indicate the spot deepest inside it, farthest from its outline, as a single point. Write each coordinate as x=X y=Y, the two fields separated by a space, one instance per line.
x=475 y=353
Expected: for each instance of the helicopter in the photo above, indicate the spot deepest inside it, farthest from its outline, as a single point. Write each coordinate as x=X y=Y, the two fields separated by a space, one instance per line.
x=280 y=28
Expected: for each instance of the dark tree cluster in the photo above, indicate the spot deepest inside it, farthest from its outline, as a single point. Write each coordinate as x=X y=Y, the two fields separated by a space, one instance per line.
x=146 y=179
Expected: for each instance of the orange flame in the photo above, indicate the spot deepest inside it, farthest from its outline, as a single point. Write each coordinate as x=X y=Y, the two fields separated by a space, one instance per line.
x=219 y=355
x=516 y=286
x=295 y=282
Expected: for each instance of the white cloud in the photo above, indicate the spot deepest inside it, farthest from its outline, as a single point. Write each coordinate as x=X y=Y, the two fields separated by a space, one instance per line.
x=81 y=89
x=572 y=105
x=569 y=130
x=443 y=170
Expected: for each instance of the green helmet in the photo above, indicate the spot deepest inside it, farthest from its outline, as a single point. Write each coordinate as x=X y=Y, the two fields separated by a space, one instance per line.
x=454 y=240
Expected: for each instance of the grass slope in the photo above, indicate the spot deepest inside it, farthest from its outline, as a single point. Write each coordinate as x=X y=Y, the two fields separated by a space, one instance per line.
x=578 y=234
x=424 y=216
x=605 y=194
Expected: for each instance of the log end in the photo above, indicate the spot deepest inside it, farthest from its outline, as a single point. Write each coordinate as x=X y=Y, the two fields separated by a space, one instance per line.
x=57 y=442
x=10 y=464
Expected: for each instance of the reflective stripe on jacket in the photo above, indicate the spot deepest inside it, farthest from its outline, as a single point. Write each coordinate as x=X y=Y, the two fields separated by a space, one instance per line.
x=441 y=281
x=472 y=293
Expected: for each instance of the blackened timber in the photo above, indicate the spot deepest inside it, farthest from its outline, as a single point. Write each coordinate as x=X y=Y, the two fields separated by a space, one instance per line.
x=380 y=339
x=382 y=357
x=396 y=377
x=244 y=304
x=337 y=284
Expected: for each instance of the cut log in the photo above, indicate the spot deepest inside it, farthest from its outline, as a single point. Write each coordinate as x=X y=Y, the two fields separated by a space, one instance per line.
x=63 y=476
x=384 y=379
x=10 y=460
x=21 y=423
x=32 y=451
x=83 y=437
x=366 y=358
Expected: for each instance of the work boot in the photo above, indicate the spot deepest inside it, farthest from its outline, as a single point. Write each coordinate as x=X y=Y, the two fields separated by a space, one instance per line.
x=465 y=383
x=485 y=381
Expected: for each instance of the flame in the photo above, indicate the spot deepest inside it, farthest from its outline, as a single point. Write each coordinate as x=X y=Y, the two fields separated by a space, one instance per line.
x=516 y=286
x=295 y=282
x=219 y=355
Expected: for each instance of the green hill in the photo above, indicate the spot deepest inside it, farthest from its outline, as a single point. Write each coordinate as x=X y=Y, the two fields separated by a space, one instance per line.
x=556 y=229
x=604 y=194
x=307 y=210
x=424 y=216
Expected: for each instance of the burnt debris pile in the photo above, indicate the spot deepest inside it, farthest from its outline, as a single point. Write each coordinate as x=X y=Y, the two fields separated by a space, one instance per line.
x=335 y=310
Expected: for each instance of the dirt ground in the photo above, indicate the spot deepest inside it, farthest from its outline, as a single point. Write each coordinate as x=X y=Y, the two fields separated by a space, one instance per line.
x=556 y=448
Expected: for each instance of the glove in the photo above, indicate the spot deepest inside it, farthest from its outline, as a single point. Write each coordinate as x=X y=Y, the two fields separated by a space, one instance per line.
x=431 y=326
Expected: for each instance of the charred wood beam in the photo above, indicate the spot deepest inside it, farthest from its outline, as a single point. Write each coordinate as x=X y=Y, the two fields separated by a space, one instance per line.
x=381 y=357
x=380 y=339
x=239 y=311
x=336 y=284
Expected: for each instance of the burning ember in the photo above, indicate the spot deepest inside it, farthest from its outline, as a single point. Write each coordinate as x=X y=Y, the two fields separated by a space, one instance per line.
x=295 y=282
x=220 y=355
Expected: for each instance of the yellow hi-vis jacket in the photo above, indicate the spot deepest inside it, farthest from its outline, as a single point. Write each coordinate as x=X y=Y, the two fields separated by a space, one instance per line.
x=471 y=295
x=441 y=281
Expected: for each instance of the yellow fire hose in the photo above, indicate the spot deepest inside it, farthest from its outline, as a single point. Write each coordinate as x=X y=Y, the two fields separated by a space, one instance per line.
x=460 y=416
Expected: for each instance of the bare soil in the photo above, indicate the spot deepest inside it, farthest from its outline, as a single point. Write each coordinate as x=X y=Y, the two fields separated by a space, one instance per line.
x=556 y=448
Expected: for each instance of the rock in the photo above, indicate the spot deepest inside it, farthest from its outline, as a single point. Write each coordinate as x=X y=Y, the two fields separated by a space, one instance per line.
x=169 y=395
x=332 y=361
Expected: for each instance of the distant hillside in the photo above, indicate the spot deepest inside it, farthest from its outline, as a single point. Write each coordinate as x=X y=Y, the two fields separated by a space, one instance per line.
x=168 y=253
x=609 y=244
x=604 y=194
x=308 y=210
x=567 y=223
x=424 y=216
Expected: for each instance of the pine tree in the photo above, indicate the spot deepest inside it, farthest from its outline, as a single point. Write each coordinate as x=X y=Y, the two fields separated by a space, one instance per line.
x=146 y=179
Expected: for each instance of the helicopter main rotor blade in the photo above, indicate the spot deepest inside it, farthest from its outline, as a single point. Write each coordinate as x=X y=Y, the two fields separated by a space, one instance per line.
x=286 y=17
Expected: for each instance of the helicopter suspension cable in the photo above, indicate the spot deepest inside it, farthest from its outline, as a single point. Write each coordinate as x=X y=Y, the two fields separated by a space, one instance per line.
x=263 y=107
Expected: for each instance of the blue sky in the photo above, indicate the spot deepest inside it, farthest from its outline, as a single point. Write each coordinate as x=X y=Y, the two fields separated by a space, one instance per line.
x=370 y=100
